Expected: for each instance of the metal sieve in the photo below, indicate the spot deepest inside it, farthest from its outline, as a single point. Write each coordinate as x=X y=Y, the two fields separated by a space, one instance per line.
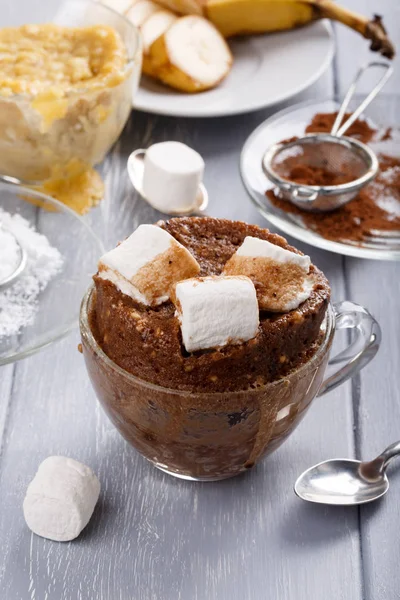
x=331 y=153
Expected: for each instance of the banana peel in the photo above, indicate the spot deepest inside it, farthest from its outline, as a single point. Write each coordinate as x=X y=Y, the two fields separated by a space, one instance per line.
x=241 y=17
x=238 y=17
x=185 y=7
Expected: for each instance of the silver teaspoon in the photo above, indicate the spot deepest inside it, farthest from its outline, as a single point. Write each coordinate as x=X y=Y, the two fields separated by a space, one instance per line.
x=347 y=482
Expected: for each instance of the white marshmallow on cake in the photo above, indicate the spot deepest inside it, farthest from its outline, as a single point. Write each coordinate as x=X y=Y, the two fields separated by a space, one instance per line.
x=172 y=175
x=147 y=264
x=61 y=498
x=216 y=311
x=281 y=277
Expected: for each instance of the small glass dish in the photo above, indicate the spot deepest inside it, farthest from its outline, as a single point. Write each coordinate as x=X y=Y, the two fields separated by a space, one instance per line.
x=89 y=119
x=57 y=308
x=348 y=164
x=283 y=125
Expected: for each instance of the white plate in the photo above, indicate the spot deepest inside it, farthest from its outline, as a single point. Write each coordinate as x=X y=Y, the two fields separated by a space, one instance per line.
x=283 y=125
x=267 y=69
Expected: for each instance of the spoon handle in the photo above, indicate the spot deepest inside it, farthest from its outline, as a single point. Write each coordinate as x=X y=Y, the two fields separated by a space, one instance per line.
x=390 y=452
x=377 y=467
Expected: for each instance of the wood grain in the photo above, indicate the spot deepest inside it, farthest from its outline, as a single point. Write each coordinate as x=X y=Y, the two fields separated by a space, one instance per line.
x=156 y=538
x=353 y=51
x=376 y=392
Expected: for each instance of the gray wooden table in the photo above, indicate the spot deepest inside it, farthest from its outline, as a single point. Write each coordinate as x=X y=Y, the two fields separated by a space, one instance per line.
x=156 y=538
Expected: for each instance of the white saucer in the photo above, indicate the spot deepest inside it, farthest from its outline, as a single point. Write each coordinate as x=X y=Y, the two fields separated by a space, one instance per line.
x=267 y=69
x=135 y=171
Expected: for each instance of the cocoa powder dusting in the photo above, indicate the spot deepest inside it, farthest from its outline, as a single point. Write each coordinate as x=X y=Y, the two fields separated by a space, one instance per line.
x=375 y=208
x=311 y=175
x=323 y=123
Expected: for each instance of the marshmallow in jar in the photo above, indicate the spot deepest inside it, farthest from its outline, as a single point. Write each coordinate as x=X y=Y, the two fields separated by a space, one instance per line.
x=61 y=498
x=172 y=175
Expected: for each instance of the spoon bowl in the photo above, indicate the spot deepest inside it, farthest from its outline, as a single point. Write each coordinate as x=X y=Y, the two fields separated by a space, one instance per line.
x=341 y=482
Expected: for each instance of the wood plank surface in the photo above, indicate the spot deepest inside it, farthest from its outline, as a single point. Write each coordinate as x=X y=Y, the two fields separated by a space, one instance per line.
x=376 y=393
x=156 y=538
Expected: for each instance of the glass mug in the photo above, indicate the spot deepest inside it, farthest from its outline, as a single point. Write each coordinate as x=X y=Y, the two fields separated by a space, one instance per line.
x=212 y=436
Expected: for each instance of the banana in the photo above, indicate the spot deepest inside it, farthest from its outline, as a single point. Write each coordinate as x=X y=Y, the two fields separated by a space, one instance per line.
x=190 y=56
x=120 y=6
x=156 y=25
x=141 y=11
x=237 y=17
x=185 y=7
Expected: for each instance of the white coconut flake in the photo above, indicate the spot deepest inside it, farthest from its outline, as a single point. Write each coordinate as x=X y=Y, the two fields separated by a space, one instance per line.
x=19 y=302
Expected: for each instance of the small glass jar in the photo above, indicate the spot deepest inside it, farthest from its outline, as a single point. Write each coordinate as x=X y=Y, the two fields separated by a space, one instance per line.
x=84 y=124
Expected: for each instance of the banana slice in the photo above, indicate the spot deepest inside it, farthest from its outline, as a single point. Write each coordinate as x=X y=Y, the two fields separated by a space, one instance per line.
x=155 y=26
x=186 y=7
x=141 y=11
x=120 y=6
x=191 y=55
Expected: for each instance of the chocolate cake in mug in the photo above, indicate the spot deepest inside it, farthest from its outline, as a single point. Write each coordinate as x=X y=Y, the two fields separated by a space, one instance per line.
x=210 y=412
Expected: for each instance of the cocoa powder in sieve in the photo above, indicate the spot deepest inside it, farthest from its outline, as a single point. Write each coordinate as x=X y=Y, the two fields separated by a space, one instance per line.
x=375 y=208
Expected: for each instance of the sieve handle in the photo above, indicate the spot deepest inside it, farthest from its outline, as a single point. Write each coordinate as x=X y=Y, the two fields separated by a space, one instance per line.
x=340 y=128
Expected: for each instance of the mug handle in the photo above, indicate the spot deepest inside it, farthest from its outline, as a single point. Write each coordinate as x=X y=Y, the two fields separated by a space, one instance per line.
x=362 y=349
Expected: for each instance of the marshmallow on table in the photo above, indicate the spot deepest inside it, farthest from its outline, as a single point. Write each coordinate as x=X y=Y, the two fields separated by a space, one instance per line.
x=216 y=311
x=281 y=277
x=61 y=498
x=147 y=264
x=172 y=175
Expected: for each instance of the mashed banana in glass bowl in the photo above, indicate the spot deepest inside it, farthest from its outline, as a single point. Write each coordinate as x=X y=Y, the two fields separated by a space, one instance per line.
x=65 y=96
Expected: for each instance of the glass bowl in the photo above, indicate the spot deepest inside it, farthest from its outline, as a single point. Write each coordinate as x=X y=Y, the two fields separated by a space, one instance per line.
x=288 y=123
x=212 y=436
x=89 y=120
x=57 y=308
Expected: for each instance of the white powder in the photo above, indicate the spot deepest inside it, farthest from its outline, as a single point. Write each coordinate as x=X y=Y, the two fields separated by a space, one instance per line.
x=19 y=302
x=390 y=175
x=389 y=146
x=385 y=196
